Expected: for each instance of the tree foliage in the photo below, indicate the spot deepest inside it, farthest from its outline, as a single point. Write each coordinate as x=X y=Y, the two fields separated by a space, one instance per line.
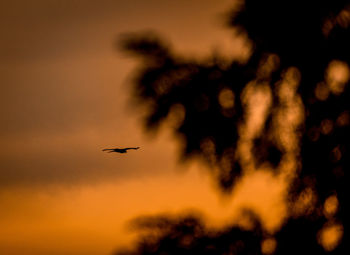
x=285 y=109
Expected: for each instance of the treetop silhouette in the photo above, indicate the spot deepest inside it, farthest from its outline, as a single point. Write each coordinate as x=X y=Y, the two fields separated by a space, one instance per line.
x=286 y=110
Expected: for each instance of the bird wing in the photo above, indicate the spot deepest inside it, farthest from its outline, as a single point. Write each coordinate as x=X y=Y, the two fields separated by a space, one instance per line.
x=132 y=148
x=121 y=150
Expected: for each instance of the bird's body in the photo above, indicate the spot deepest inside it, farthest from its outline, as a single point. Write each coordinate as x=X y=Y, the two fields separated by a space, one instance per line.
x=121 y=150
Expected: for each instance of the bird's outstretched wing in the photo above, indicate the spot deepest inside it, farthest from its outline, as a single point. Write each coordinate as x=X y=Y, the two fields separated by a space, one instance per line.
x=121 y=150
x=132 y=148
x=111 y=150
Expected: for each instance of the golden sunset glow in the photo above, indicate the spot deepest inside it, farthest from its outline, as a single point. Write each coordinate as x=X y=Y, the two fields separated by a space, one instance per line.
x=66 y=96
x=68 y=100
x=330 y=206
x=268 y=246
x=338 y=75
x=330 y=236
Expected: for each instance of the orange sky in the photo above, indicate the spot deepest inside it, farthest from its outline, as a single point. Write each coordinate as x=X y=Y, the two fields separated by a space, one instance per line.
x=64 y=92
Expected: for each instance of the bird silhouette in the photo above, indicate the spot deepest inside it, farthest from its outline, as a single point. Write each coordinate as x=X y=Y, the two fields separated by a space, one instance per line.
x=120 y=150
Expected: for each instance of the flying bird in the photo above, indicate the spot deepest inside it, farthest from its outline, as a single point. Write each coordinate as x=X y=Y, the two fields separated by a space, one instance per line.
x=123 y=150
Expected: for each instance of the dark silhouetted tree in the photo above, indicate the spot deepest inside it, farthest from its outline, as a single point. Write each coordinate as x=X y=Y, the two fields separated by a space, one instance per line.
x=285 y=109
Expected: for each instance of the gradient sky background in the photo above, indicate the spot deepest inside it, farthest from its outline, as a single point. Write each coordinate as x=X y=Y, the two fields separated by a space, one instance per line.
x=64 y=97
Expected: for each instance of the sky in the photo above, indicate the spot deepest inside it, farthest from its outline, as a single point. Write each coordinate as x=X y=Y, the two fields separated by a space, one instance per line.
x=65 y=95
